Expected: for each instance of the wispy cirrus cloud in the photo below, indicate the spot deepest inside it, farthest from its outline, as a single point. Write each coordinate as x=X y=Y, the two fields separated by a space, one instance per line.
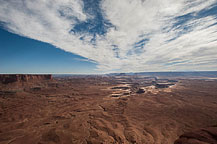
x=122 y=35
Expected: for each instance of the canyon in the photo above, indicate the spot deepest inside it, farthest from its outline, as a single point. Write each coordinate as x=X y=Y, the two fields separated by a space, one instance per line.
x=104 y=109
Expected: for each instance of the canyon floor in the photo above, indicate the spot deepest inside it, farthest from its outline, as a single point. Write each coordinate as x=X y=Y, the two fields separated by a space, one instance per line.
x=105 y=110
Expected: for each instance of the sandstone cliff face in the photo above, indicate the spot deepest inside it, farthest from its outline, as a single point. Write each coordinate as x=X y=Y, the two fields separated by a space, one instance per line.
x=11 y=78
x=201 y=136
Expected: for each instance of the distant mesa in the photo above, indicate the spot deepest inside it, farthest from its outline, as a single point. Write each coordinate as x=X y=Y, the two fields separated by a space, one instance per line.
x=11 y=78
x=201 y=136
x=163 y=85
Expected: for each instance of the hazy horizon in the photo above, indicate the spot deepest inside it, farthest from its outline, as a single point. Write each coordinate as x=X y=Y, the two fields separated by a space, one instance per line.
x=109 y=73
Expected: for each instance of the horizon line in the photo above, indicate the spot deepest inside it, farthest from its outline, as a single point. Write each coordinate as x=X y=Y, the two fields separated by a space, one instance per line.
x=103 y=73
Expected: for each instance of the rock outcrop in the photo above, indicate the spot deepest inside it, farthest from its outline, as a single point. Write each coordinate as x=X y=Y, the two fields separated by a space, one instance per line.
x=140 y=91
x=11 y=78
x=201 y=136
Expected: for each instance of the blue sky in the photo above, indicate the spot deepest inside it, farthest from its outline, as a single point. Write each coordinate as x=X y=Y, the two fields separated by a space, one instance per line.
x=102 y=36
x=23 y=55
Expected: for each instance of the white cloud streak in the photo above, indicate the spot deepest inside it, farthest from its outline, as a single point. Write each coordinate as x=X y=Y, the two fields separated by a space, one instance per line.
x=169 y=47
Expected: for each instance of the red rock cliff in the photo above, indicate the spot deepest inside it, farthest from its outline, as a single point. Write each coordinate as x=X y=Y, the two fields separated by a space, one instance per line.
x=10 y=78
x=200 y=136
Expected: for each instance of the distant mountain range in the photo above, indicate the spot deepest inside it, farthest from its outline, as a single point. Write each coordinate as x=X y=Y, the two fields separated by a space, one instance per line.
x=171 y=74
